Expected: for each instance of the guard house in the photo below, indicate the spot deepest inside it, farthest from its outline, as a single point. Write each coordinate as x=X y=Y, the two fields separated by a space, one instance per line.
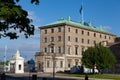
x=17 y=63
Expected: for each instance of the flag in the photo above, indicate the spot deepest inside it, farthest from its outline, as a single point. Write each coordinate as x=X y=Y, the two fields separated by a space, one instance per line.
x=81 y=9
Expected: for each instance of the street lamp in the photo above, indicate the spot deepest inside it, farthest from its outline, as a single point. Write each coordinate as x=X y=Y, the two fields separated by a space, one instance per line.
x=53 y=57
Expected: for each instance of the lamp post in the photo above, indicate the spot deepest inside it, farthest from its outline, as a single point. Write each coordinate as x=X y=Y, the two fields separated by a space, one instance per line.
x=53 y=57
x=5 y=59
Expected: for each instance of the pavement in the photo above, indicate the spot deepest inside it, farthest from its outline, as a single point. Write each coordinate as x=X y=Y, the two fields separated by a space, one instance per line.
x=49 y=76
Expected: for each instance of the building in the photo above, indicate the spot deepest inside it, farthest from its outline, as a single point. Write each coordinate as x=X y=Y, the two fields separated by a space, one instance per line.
x=17 y=63
x=63 y=42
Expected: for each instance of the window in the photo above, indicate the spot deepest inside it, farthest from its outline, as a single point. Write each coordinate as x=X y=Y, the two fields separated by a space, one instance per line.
x=55 y=64
x=59 y=38
x=48 y=63
x=19 y=67
x=88 y=33
x=69 y=63
x=94 y=42
x=76 y=62
x=105 y=37
x=82 y=50
x=94 y=34
x=109 y=37
x=68 y=50
x=45 y=39
x=76 y=31
x=52 y=39
x=82 y=40
x=59 y=49
x=52 y=49
x=45 y=49
x=76 y=39
x=76 y=50
x=100 y=36
x=45 y=31
x=52 y=30
x=68 y=29
x=39 y=66
x=88 y=41
x=68 y=38
x=82 y=32
x=61 y=64
x=59 y=29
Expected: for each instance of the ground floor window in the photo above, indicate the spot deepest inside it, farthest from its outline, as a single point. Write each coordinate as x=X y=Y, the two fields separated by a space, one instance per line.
x=48 y=63
x=76 y=50
x=61 y=64
x=69 y=63
x=82 y=51
x=68 y=50
x=76 y=62
x=19 y=66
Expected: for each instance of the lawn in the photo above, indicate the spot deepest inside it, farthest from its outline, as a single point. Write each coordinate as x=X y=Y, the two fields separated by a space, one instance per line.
x=105 y=76
x=99 y=76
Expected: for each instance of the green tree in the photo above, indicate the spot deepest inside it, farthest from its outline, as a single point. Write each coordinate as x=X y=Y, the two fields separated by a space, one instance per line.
x=14 y=19
x=100 y=56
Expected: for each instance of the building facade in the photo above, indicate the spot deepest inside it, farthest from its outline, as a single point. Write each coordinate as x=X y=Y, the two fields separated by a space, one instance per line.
x=63 y=42
x=17 y=63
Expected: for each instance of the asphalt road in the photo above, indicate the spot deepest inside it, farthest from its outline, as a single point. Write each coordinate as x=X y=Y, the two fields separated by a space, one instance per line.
x=40 y=76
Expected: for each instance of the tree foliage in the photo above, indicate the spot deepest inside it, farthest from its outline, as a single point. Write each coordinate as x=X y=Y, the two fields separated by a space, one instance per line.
x=99 y=55
x=14 y=19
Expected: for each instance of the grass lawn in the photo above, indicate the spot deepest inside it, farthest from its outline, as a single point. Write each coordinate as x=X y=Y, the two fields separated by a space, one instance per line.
x=99 y=76
x=105 y=76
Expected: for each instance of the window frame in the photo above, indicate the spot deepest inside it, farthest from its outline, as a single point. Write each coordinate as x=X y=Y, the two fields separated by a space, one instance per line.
x=59 y=29
x=52 y=30
x=59 y=49
x=52 y=39
x=45 y=31
x=59 y=38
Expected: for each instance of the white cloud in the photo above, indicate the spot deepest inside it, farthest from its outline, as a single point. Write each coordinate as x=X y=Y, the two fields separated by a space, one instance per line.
x=32 y=15
x=107 y=28
x=29 y=45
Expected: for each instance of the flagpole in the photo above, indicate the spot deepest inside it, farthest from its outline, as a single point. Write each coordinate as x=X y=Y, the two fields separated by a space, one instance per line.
x=5 y=58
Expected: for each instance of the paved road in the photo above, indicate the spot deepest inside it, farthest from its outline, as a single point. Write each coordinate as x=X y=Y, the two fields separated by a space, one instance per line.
x=40 y=76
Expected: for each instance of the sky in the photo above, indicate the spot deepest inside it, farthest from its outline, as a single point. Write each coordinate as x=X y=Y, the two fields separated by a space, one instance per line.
x=105 y=13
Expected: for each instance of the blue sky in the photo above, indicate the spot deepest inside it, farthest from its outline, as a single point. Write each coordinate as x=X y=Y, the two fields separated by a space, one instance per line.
x=99 y=12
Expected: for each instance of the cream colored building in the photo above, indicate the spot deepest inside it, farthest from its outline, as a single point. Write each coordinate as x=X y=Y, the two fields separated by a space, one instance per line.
x=64 y=41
